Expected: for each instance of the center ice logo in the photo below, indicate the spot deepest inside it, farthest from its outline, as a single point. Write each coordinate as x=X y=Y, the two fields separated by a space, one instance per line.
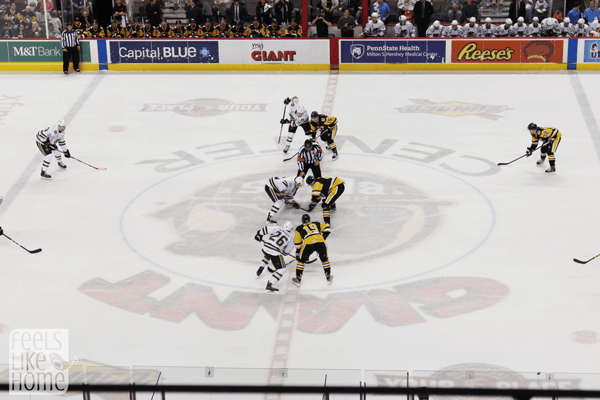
x=357 y=51
x=204 y=107
x=399 y=214
x=453 y=109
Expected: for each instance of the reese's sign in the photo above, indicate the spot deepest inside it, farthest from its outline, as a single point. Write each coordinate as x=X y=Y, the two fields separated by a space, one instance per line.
x=507 y=51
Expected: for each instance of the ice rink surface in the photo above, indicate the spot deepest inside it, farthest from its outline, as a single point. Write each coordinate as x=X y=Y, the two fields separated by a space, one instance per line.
x=440 y=256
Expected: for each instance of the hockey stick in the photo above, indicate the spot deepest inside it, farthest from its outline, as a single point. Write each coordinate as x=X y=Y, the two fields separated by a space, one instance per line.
x=30 y=251
x=326 y=394
x=152 y=398
x=585 y=262
x=288 y=159
x=524 y=155
x=308 y=262
x=76 y=159
x=282 y=117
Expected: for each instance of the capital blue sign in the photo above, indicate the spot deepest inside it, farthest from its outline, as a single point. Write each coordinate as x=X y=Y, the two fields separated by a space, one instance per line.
x=392 y=51
x=591 y=51
x=164 y=52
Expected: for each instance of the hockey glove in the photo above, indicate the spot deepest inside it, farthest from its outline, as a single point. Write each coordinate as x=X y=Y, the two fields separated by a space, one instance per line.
x=295 y=205
x=312 y=206
x=529 y=151
x=258 y=236
x=284 y=121
x=67 y=154
x=287 y=101
x=1 y=231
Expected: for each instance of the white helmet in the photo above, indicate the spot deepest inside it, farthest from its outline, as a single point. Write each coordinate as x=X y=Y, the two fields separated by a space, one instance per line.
x=300 y=110
x=567 y=20
x=472 y=19
x=375 y=15
x=488 y=20
x=61 y=124
x=455 y=22
x=520 y=19
x=436 y=24
x=536 y=19
x=299 y=181
x=295 y=99
x=581 y=21
x=403 y=18
x=288 y=226
x=508 y=21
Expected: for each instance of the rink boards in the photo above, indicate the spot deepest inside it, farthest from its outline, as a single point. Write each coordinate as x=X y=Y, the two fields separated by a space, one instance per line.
x=354 y=54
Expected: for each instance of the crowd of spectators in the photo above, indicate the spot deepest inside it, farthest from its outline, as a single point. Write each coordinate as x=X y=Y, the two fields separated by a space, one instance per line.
x=281 y=19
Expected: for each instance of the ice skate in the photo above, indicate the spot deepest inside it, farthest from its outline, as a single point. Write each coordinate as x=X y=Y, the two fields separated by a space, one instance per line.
x=271 y=289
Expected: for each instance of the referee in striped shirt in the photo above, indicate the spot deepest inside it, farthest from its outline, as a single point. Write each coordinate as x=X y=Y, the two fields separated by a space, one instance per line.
x=309 y=158
x=70 y=45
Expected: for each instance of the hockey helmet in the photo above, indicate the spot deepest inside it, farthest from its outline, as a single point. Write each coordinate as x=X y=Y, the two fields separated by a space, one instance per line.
x=300 y=110
x=403 y=18
x=567 y=20
x=581 y=21
x=520 y=19
x=310 y=180
x=488 y=20
x=305 y=218
x=375 y=15
x=535 y=19
x=299 y=181
x=314 y=115
x=532 y=126
x=288 y=226
x=436 y=24
x=508 y=21
x=472 y=19
x=61 y=124
x=455 y=22
x=308 y=144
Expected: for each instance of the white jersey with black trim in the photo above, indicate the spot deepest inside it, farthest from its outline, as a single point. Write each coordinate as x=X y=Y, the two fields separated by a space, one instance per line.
x=581 y=31
x=406 y=30
x=432 y=31
x=486 y=31
x=277 y=241
x=52 y=135
x=534 y=31
x=452 y=31
x=504 y=31
x=520 y=30
x=295 y=119
x=565 y=30
x=470 y=31
x=286 y=186
x=374 y=29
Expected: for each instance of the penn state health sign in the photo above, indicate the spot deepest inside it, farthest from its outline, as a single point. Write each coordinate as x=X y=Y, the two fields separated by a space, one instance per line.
x=392 y=51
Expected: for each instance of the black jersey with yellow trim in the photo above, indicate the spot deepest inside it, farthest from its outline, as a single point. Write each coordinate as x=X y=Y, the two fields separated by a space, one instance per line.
x=323 y=185
x=310 y=233
x=544 y=134
x=323 y=122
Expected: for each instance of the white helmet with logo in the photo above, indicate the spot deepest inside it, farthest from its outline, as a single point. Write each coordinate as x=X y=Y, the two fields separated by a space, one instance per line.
x=61 y=124
x=299 y=181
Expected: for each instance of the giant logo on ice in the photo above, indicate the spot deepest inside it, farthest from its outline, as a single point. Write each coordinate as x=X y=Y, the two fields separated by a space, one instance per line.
x=453 y=109
x=204 y=107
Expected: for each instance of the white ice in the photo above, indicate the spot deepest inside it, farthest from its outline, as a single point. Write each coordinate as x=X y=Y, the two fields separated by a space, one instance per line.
x=440 y=257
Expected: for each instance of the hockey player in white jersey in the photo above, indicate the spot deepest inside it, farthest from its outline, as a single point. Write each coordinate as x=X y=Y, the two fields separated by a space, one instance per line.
x=594 y=25
x=277 y=242
x=520 y=28
x=487 y=29
x=565 y=29
x=549 y=27
x=435 y=30
x=404 y=28
x=506 y=29
x=453 y=30
x=535 y=29
x=47 y=141
x=298 y=117
x=581 y=29
x=280 y=191
x=375 y=27
x=471 y=28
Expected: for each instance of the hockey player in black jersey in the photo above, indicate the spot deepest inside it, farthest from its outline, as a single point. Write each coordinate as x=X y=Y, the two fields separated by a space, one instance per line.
x=308 y=238
x=326 y=127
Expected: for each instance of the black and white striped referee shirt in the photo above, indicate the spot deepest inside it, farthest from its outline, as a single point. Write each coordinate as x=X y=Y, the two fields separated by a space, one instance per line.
x=309 y=156
x=69 y=39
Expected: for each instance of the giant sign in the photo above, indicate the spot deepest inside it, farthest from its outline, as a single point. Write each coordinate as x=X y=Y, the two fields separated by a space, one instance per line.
x=392 y=51
x=274 y=51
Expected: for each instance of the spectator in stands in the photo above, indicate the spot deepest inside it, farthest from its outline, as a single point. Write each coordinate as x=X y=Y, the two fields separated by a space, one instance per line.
x=21 y=33
x=294 y=30
x=422 y=15
x=383 y=9
x=283 y=12
x=120 y=13
x=329 y=6
x=405 y=7
x=154 y=12
x=346 y=24
x=264 y=12
x=322 y=24
x=591 y=12
x=454 y=13
x=6 y=34
x=37 y=31
x=517 y=9
x=497 y=3
x=541 y=6
x=86 y=19
x=28 y=15
x=237 y=12
x=469 y=11
x=575 y=13
x=56 y=22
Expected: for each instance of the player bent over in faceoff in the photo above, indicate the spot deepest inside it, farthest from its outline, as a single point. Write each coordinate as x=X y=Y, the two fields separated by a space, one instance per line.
x=280 y=191
x=310 y=237
x=326 y=127
x=277 y=243
x=47 y=141
x=550 y=138
x=298 y=117
x=328 y=190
